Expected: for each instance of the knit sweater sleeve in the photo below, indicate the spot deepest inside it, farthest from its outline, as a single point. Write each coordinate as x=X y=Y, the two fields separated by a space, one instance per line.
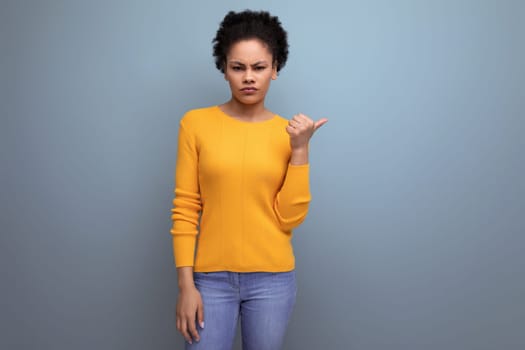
x=187 y=201
x=292 y=200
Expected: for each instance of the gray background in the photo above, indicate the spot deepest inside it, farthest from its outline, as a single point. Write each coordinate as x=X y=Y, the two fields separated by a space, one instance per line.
x=416 y=230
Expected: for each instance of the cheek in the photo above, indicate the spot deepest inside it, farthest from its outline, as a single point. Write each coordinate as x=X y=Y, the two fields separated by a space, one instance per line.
x=266 y=77
x=268 y=80
x=233 y=81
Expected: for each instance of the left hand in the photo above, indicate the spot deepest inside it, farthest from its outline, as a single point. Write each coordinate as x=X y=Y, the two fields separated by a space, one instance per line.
x=301 y=128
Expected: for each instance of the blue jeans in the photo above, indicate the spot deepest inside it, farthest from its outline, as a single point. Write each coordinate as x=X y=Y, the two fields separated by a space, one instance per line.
x=263 y=300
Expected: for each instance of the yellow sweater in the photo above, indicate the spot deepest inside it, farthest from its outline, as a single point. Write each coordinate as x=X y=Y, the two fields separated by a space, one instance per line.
x=237 y=198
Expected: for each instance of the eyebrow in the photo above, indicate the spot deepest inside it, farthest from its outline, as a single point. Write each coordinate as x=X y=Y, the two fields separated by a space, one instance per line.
x=242 y=64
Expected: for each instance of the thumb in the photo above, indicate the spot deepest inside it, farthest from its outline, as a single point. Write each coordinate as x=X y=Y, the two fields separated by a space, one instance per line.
x=320 y=123
x=200 y=315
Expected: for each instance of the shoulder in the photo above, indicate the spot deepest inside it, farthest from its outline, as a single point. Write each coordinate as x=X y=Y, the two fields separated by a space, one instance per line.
x=197 y=115
x=281 y=119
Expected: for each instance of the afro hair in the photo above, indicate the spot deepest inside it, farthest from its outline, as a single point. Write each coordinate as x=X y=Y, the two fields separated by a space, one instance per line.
x=250 y=24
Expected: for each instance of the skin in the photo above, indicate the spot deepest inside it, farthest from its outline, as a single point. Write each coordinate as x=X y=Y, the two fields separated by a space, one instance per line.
x=249 y=63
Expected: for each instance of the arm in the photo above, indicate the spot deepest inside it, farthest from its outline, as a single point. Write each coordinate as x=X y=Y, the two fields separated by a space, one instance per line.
x=185 y=217
x=187 y=203
x=292 y=201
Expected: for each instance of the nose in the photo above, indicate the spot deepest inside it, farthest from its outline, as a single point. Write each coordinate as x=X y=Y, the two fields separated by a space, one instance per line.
x=248 y=76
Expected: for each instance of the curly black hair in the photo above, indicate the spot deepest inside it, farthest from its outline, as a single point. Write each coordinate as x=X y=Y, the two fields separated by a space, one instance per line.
x=250 y=24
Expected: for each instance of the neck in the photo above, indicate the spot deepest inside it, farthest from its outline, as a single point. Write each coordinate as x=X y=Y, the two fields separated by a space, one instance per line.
x=244 y=111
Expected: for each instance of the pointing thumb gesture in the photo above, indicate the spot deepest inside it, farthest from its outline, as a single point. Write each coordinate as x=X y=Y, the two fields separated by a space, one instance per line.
x=301 y=128
x=320 y=123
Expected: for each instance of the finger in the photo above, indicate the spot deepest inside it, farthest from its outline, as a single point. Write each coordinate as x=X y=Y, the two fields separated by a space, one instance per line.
x=294 y=123
x=200 y=315
x=304 y=118
x=300 y=119
x=193 y=330
x=306 y=121
x=184 y=331
x=178 y=324
x=320 y=123
x=291 y=131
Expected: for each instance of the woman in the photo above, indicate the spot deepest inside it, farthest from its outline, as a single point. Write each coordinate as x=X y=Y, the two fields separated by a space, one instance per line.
x=241 y=186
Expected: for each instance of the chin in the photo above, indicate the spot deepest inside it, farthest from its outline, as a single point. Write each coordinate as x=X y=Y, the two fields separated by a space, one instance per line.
x=248 y=100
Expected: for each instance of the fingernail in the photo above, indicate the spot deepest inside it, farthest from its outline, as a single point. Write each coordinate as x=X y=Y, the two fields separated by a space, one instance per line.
x=202 y=324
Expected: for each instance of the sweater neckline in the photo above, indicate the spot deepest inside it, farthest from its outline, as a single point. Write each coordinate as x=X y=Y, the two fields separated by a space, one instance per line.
x=238 y=121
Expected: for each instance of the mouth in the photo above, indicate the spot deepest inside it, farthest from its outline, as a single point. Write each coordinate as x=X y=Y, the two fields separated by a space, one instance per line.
x=249 y=89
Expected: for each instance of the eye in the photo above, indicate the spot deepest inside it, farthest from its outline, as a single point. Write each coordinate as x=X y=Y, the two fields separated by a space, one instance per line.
x=236 y=68
x=260 y=68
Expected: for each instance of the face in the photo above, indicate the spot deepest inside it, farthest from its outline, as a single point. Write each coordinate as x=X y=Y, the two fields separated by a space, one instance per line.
x=249 y=71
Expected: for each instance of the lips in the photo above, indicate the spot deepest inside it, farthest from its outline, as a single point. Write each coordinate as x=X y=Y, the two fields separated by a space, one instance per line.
x=248 y=89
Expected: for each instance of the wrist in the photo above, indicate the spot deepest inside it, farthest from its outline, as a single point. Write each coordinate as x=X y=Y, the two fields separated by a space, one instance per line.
x=185 y=277
x=186 y=286
x=299 y=156
x=300 y=149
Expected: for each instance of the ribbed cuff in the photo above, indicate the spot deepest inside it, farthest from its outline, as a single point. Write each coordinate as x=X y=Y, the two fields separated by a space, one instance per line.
x=184 y=249
x=297 y=181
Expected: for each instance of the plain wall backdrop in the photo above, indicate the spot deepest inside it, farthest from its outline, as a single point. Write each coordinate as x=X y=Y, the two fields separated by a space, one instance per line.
x=415 y=235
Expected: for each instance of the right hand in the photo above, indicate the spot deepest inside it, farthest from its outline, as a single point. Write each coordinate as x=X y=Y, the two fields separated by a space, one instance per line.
x=189 y=306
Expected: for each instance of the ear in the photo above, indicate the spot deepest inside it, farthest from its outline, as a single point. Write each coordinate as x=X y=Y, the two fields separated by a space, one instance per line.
x=274 y=71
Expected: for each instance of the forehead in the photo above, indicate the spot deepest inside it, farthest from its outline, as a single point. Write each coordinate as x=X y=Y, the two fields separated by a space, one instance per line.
x=251 y=50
